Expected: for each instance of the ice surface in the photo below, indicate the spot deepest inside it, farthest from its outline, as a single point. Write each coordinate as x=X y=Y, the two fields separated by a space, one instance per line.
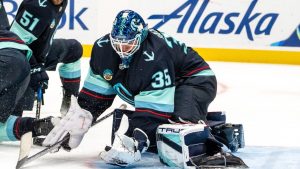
x=264 y=98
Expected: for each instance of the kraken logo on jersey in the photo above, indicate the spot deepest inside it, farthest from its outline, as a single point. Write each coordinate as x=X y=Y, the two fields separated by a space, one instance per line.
x=52 y=24
x=107 y=74
x=100 y=41
x=123 y=93
x=149 y=57
x=42 y=3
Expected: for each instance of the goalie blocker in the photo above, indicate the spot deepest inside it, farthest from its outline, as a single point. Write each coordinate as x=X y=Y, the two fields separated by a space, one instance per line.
x=191 y=146
x=177 y=143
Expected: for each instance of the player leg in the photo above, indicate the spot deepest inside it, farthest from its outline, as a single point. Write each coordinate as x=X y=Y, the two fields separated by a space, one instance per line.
x=4 y=24
x=26 y=102
x=68 y=52
x=14 y=81
x=13 y=84
x=191 y=101
x=191 y=104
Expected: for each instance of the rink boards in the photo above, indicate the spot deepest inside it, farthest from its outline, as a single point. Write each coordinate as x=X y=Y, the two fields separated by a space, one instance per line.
x=238 y=30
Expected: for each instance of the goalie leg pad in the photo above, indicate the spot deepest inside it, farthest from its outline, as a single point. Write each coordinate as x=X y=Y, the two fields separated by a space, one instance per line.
x=178 y=143
x=141 y=139
x=216 y=118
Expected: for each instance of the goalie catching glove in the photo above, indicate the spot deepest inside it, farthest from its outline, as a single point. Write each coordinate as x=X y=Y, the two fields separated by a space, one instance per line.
x=76 y=123
x=126 y=150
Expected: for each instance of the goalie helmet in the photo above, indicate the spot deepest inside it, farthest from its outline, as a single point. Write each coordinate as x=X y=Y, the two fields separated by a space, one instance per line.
x=127 y=34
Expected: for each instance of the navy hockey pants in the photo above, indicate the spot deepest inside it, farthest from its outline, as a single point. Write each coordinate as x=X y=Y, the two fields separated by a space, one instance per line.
x=14 y=79
x=192 y=98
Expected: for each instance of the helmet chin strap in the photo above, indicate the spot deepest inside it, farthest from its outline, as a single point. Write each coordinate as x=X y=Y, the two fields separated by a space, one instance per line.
x=125 y=62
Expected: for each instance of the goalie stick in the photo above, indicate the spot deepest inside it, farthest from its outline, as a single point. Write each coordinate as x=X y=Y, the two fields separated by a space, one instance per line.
x=26 y=142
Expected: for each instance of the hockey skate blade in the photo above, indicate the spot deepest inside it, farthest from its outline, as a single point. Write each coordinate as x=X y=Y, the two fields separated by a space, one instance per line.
x=25 y=146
